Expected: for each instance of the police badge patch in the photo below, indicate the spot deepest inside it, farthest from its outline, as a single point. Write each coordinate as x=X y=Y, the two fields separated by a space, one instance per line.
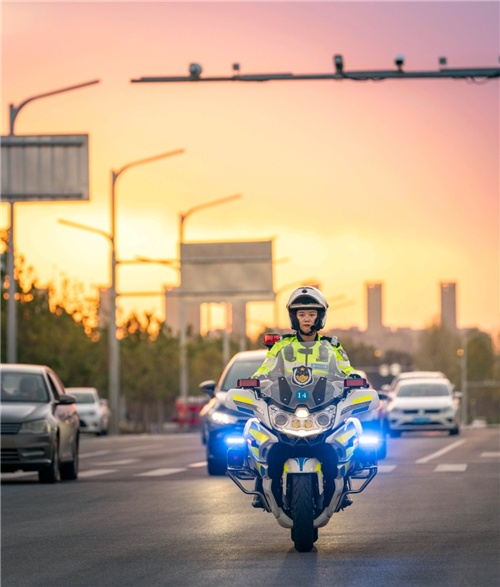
x=343 y=354
x=302 y=375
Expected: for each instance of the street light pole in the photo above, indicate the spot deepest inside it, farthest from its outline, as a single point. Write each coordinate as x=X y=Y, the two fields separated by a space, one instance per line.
x=114 y=345
x=183 y=358
x=11 y=300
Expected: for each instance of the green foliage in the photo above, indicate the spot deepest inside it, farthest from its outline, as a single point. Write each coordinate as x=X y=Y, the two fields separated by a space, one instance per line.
x=437 y=351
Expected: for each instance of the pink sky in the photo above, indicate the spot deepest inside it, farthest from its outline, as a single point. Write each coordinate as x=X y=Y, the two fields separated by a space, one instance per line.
x=393 y=181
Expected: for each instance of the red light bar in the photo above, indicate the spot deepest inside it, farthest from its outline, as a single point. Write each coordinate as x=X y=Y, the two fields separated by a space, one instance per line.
x=270 y=339
x=355 y=383
x=248 y=383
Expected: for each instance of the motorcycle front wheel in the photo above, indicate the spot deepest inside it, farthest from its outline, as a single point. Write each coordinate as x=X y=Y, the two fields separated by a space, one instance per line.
x=303 y=531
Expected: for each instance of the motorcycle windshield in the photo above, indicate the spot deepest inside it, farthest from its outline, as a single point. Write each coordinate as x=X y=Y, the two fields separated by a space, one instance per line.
x=289 y=392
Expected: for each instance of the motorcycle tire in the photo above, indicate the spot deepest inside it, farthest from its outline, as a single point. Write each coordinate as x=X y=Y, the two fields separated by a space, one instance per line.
x=303 y=532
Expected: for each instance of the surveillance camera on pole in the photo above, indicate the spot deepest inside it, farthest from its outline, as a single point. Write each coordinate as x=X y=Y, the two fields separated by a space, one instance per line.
x=195 y=70
x=399 y=61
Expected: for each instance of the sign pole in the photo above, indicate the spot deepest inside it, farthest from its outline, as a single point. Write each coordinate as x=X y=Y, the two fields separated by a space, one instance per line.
x=11 y=301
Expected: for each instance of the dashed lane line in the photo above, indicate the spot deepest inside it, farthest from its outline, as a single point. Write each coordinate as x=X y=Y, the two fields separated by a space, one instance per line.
x=159 y=472
x=200 y=464
x=490 y=455
x=116 y=463
x=453 y=468
x=95 y=473
x=97 y=453
x=386 y=468
x=438 y=453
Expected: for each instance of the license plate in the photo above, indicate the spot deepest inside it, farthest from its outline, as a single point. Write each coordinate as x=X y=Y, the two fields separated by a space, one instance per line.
x=421 y=420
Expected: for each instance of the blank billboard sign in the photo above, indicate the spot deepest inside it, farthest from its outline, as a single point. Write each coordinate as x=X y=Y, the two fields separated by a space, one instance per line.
x=213 y=272
x=45 y=167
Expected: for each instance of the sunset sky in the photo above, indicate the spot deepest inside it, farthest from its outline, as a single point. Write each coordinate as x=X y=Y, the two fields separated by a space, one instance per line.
x=396 y=181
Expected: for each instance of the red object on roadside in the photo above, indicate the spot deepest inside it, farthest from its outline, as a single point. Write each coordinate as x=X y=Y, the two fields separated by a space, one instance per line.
x=188 y=414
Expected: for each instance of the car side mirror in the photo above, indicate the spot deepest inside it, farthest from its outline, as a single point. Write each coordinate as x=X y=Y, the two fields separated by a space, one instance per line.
x=103 y=402
x=66 y=400
x=208 y=387
x=458 y=394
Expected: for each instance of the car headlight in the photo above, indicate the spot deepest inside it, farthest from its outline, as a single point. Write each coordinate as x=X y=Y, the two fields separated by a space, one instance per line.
x=35 y=427
x=223 y=418
x=302 y=423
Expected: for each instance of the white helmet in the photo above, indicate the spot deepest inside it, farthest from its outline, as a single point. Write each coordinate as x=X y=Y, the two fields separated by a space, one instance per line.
x=307 y=297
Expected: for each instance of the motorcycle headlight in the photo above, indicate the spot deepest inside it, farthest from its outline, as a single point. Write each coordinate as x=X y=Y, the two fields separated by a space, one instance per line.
x=302 y=423
x=223 y=418
x=35 y=427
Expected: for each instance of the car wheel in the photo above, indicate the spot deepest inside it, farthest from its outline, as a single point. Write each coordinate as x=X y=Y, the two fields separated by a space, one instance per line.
x=216 y=467
x=394 y=433
x=454 y=431
x=382 y=451
x=69 y=471
x=51 y=473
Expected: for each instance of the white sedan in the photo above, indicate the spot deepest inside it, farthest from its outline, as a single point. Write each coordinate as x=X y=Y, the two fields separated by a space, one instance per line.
x=92 y=410
x=423 y=404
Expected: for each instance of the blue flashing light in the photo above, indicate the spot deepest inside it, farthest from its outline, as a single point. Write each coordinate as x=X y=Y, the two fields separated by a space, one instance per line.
x=368 y=440
x=233 y=440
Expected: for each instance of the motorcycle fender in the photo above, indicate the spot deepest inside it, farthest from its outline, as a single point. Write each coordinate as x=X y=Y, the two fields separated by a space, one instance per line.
x=327 y=513
x=282 y=519
x=301 y=466
x=259 y=440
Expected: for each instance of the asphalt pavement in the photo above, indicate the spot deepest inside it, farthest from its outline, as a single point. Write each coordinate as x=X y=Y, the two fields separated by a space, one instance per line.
x=145 y=513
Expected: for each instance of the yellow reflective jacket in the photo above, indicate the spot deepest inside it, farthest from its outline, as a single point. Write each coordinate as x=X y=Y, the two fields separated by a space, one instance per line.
x=323 y=357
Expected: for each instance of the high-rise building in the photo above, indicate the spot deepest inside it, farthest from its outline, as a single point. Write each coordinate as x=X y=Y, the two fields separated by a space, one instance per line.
x=449 y=305
x=374 y=307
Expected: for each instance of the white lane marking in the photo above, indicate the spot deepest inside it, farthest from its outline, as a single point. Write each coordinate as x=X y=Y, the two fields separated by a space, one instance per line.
x=386 y=468
x=97 y=453
x=490 y=455
x=200 y=464
x=18 y=474
x=159 y=472
x=438 y=453
x=122 y=462
x=137 y=448
x=95 y=472
x=450 y=468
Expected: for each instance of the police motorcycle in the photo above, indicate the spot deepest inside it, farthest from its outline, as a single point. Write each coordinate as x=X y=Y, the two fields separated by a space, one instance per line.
x=304 y=449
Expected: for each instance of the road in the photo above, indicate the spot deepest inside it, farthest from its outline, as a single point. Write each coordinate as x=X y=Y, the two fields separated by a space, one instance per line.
x=144 y=513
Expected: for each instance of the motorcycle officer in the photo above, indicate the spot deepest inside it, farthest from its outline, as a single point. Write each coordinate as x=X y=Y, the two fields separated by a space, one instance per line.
x=294 y=355
x=305 y=353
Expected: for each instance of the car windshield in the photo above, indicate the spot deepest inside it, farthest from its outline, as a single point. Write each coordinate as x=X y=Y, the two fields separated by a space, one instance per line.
x=83 y=398
x=23 y=387
x=423 y=390
x=240 y=370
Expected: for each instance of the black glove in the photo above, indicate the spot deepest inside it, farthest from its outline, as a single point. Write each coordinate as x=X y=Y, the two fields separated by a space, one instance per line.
x=354 y=376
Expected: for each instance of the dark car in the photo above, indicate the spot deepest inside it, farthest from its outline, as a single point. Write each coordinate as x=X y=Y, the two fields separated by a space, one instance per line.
x=373 y=421
x=220 y=426
x=39 y=424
